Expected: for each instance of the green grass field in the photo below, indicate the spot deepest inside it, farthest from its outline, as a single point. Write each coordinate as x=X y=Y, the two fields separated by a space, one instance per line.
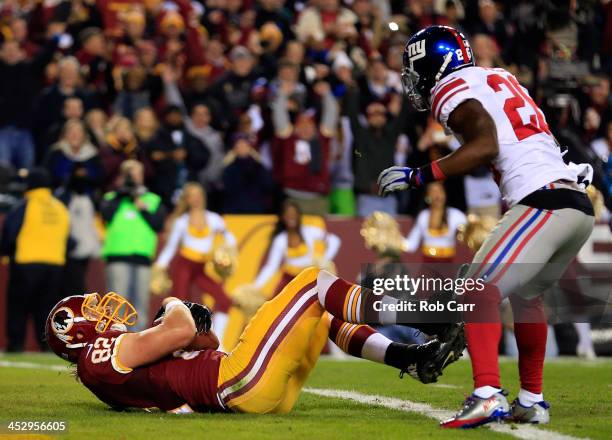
x=580 y=394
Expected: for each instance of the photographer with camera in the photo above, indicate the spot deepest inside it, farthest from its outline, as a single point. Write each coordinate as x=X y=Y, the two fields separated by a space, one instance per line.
x=133 y=216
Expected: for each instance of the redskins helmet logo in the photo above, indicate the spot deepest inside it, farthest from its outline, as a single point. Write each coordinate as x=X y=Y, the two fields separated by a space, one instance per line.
x=62 y=320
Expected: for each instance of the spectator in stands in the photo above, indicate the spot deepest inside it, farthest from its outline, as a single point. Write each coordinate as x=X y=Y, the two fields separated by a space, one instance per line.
x=133 y=217
x=379 y=84
x=19 y=34
x=35 y=236
x=74 y=149
x=597 y=110
x=96 y=120
x=232 y=91
x=324 y=22
x=68 y=84
x=177 y=156
x=302 y=152
x=374 y=146
x=490 y=22
x=137 y=90
x=19 y=86
x=94 y=57
x=486 y=51
x=247 y=183
x=76 y=194
x=198 y=124
x=72 y=109
x=120 y=144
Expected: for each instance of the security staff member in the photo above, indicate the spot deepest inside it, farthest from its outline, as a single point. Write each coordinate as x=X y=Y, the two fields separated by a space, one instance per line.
x=35 y=236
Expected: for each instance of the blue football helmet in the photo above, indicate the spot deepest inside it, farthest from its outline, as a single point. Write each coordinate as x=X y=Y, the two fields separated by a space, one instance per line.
x=430 y=55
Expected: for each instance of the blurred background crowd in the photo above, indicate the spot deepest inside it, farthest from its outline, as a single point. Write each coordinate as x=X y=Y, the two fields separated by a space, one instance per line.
x=112 y=107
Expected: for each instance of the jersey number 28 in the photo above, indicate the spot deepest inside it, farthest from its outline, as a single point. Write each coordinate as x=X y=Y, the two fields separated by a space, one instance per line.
x=519 y=99
x=102 y=350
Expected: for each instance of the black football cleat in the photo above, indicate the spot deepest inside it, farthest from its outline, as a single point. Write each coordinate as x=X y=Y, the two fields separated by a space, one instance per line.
x=416 y=358
x=430 y=368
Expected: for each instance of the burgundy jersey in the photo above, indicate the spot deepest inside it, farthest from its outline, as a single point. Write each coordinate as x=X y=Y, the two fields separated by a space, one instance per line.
x=183 y=378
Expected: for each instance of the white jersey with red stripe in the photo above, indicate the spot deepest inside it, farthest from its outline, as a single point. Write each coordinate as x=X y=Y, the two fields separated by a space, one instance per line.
x=529 y=157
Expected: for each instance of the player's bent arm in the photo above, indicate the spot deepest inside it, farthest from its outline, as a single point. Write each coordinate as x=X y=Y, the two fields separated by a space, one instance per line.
x=469 y=121
x=177 y=330
x=475 y=126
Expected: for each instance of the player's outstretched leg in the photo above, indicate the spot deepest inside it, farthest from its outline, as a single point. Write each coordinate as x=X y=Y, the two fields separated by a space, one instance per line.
x=422 y=362
x=352 y=304
x=356 y=304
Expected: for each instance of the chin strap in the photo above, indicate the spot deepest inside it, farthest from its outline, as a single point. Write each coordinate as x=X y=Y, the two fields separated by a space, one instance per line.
x=447 y=59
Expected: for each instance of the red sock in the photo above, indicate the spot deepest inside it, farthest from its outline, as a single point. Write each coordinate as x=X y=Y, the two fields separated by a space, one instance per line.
x=483 y=344
x=530 y=330
x=483 y=331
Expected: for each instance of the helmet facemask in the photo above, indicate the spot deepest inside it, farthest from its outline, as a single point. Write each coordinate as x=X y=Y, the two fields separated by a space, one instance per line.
x=111 y=309
x=410 y=81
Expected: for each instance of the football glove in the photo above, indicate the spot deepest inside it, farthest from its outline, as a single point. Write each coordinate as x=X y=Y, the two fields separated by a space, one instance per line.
x=395 y=179
x=202 y=316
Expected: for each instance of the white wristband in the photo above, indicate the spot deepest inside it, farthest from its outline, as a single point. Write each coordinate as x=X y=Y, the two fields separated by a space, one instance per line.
x=172 y=304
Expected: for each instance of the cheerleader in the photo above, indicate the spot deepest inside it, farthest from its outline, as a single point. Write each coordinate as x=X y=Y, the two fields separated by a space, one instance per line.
x=292 y=247
x=190 y=241
x=435 y=229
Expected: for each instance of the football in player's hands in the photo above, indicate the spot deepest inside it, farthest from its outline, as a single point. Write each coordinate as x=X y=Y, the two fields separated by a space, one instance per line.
x=202 y=316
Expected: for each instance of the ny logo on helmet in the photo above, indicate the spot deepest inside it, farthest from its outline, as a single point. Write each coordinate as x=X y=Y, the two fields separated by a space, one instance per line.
x=416 y=51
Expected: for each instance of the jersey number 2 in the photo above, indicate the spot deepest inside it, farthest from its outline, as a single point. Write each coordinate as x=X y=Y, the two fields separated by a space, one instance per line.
x=519 y=99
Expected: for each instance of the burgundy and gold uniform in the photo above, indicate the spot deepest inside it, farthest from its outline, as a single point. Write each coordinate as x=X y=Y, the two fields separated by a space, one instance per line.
x=185 y=378
x=263 y=374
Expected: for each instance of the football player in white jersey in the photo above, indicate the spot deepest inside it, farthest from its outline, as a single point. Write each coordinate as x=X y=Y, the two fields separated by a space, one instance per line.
x=549 y=219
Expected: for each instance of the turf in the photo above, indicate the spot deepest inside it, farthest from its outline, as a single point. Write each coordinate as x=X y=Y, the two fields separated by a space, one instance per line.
x=580 y=392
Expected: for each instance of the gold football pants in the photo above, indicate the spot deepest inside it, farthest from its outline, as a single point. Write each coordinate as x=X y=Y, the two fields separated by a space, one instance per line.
x=276 y=351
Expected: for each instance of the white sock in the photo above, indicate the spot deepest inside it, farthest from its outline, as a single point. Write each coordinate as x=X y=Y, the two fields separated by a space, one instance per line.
x=527 y=398
x=584 y=334
x=486 y=391
x=375 y=347
x=219 y=322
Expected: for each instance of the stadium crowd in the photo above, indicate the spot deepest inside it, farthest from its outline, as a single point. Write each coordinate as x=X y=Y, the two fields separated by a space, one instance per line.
x=265 y=100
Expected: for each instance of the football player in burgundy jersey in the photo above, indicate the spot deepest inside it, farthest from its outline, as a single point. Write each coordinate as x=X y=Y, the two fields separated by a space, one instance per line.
x=549 y=217
x=174 y=365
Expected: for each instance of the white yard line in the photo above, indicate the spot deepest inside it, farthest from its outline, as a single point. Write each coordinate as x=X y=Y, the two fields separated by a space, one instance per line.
x=444 y=385
x=526 y=432
x=33 y=366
